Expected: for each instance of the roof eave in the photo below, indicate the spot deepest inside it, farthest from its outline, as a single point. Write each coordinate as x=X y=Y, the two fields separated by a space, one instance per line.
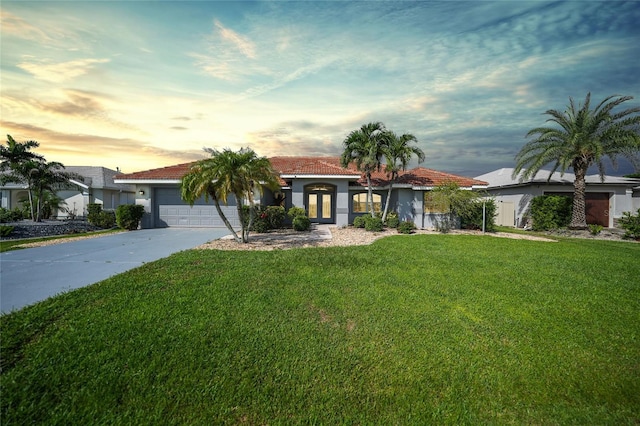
x=146 y=181
x=310 y=176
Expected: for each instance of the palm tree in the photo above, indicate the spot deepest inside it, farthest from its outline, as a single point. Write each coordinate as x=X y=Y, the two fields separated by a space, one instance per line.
x=16 y=152
x=399 y=151
x=46 y=177
x=584 y=138
x=365 y=147
x=20 y=165
x=228 y=173
x=42 y=177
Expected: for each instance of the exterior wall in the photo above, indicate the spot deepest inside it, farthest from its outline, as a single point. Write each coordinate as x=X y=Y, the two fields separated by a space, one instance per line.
x=620 y=198
x=349 y=201
x=635 y=200
x=342 y=198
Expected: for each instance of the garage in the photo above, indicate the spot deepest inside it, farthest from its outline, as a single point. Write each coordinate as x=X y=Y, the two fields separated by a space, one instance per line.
x=172 y=211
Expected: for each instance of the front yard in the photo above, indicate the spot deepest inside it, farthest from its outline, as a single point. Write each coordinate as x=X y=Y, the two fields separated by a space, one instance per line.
x=426 y=329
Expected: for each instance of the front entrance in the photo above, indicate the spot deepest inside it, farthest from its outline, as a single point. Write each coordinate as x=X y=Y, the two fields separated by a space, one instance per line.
x=320 y=203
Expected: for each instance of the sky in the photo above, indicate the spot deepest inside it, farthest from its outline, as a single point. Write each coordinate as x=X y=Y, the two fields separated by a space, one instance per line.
x=137 y=85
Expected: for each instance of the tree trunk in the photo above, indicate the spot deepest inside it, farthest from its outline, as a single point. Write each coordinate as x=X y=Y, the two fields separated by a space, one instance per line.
x=369 y=195
x=243 y=228
x=31 y=209
x=224 y=218
x=578 y=215
x=386 y=204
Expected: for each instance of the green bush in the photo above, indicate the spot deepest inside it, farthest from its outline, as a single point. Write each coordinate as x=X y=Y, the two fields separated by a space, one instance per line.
x=631 y=224
x=93 y=213
x=595 y=229
x=295 y=212
x=360 y=221
x=406 y=227
x=98 y=217
x=392 y=220
x=106 y=219
x=550 y=212
x=301 y=223
x=275 y=216
x=5 y=230
x=14 y=215
x=373 y=224
x=471 y=218
x=128 y=216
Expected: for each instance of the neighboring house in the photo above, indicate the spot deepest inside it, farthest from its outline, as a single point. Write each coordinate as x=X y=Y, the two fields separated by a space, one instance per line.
x=605 y=201
x=96 y=186
x=328 y=192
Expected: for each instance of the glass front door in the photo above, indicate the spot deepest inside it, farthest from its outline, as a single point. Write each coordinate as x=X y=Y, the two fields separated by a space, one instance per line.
x=320 y=204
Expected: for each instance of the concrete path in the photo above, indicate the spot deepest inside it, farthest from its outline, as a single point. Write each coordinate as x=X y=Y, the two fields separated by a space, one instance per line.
x=30 y=275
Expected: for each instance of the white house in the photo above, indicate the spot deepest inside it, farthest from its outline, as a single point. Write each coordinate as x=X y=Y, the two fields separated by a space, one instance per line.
x=605 y=200
x=96 y=186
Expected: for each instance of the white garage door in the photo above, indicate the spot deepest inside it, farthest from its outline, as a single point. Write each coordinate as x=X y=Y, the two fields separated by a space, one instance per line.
x=172 y=211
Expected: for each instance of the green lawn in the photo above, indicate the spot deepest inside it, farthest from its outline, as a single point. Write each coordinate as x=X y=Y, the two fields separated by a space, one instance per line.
x=426 y=329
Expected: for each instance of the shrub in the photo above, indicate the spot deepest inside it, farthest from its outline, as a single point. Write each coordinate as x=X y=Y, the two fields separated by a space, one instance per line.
x=406 y=227
x=98 y=217
x=550 y=212
x=93 y=213
x=359 y=221
x=7 y=215
x=595 y=229
x=631 y=225
x=275 y=216
x=128 y=216
x=106 y=219
x=295 y=212
x=5 y=230
x=392 y=220
x=471 y=218
x=373 y=224
x=301 y=223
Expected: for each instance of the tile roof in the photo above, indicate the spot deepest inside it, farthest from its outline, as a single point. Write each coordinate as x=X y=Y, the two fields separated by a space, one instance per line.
x=169 y=173
x=323 y=166
x=326 y=166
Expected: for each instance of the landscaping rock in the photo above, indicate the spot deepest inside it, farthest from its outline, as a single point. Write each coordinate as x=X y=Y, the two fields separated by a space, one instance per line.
x=47 y=228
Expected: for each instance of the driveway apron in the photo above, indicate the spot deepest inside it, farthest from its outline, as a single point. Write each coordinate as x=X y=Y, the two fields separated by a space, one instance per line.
x=30 y=275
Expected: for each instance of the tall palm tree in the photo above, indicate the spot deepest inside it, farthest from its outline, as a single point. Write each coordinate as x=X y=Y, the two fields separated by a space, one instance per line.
x=44 y=177
x=399 y=151
x=228 y=173
x=365 y=147
x=585 y=137
x=16 y=152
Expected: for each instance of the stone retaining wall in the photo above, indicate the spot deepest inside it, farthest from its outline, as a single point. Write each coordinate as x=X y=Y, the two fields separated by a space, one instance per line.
x=29 y=229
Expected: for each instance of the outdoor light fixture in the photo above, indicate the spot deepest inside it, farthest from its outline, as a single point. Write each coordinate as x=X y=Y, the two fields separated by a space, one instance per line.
x=141 y=192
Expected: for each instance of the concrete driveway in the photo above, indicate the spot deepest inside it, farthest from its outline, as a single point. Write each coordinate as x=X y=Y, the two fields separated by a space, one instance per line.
x=30 y=275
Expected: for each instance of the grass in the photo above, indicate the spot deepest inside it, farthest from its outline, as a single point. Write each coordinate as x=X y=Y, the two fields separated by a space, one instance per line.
x=8 y=245
x=438 y=329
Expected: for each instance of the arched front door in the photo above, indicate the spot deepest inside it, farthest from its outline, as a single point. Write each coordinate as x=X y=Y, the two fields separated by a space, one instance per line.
x=320 y=203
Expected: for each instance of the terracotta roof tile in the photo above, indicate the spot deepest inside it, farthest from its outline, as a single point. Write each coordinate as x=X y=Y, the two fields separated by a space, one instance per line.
x=326 y=166
x=311 y=166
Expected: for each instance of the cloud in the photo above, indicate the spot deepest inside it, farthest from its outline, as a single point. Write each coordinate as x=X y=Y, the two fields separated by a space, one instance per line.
x=61 y=143
x=16 y=26
x=61 y=71
x=243 y=44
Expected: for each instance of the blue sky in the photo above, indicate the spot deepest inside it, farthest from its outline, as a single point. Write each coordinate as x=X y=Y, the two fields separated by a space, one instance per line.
x=139 y=85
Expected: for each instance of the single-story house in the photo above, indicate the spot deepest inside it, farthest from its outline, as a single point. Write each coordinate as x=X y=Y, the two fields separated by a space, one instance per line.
x=328 y=192
x=605 y=200
x=96 y=186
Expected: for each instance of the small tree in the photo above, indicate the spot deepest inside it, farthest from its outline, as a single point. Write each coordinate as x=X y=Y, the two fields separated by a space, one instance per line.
x=128 y=216
x=550 y=212
x=456 y=203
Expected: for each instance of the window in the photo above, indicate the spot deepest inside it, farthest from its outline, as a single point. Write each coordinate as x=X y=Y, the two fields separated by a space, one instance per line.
x=435 y=204
x=360 y=202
